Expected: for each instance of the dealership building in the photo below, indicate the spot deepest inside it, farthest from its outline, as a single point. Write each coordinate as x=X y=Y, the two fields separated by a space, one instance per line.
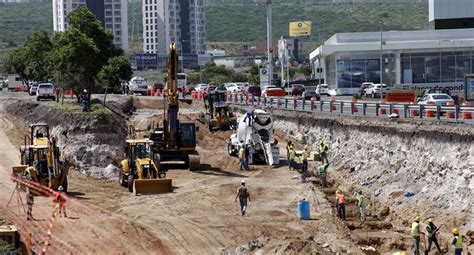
x=439 y=57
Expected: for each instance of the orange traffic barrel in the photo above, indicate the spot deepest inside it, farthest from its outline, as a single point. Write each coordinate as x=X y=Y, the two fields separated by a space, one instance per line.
x=354 y=108
x=430 y=112
x=450 y=114
x=466 y=114
x=381 y=109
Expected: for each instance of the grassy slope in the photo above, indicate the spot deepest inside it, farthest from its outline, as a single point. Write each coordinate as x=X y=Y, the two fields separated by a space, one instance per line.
x=235 y=23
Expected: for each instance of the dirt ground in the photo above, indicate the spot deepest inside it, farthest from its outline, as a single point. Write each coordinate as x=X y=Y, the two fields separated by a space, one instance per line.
x=200 y=216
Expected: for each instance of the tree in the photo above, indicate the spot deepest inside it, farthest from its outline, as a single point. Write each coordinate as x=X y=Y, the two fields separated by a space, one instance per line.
x=116 y=71
x=15 y=63
x=194 y=78
x=37 y=47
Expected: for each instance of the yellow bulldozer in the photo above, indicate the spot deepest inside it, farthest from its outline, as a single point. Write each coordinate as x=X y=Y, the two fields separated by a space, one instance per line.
x=40 y=159
x=218 y=114
x=139 y=172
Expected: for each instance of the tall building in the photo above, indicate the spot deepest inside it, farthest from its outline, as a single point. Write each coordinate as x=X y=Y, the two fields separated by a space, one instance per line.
x=453 y=14
x=112 y=14
x=178 y=21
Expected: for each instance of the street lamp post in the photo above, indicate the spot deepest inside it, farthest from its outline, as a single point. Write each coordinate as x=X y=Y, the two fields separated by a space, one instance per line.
x=269 y=42
x=381 y=61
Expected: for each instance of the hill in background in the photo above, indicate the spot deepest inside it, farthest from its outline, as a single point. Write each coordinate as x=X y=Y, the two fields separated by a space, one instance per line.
x=236 y=23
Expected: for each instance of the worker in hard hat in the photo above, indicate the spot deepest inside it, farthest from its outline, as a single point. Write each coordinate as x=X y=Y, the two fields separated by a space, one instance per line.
x=304 y=137
x=323 y=152
x=85 y=100
x=250 y=115
x=291 y=158
x=457 y=242
x=431 y=231
x=244 y=197
x=361 y=204
x=322 y=175
x=59 y=200
x=341 y=205
x=304 y=157
x=415 y=232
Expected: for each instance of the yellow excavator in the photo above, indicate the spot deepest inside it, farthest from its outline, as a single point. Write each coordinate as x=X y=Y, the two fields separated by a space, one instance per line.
x=139 y=172
x=40 y=159
x=175 y=141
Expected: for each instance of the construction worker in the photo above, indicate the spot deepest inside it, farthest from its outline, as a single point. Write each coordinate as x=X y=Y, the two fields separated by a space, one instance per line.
x=361 y=204
x=249 y=115
x=415 y=232
x=431 y=231
x=304 y=137
x=304 y=157
x=60 y=201
x=242 y=157
x=322 y=175
x=288 y=145
x=341 y=205
x=457 y=242
x=85 y=100
x=323 y=152
x=291 y=158
x=30 y=200
x=244 y=197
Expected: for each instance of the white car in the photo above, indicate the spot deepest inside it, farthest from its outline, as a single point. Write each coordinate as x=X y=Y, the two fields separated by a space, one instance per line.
x=234 y=87
x=200 y=87
x=374 y=90
x=440 y=99
x=45 y=91
x=322 y=89
x=33 y=88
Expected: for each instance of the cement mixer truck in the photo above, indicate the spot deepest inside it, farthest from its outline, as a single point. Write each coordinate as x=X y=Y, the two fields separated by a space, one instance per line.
x=257 y=134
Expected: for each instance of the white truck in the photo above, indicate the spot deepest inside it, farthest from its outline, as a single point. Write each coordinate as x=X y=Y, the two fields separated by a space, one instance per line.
x=258 y=136
x=138 y=85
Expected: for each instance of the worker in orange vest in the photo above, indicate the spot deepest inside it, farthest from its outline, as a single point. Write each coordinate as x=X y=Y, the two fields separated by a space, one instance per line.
x=340 y=204
x=60 y=200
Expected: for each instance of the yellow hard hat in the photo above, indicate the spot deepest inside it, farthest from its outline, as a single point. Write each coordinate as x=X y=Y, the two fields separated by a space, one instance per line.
x=403 y=253
x=306 y=147
x=417 y=218
x=455 y=231
x=338 y=192
x=430 y=220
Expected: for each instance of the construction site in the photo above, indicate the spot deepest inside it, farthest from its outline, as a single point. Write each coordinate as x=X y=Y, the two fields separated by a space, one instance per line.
x=159 y=176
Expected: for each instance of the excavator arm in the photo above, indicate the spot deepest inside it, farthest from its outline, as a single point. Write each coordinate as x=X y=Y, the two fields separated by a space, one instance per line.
x=171 y=123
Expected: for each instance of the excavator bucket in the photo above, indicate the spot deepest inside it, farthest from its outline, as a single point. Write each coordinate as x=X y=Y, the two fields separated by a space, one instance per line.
x=152 y=186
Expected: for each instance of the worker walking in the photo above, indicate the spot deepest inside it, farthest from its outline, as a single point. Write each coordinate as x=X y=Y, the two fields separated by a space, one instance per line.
x=323 y=152
x=431 y=231
x=304 y=156
x=415 y=232
x=244 y=197
x=457 y=242
x=361 y=204
x=85 y=100
x=291 y=158
x=30 y=200
x=60 y=201
x=242 y=157
x=341 y=205
x=322 y=175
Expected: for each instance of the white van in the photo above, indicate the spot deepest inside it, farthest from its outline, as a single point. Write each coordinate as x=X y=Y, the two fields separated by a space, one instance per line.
x=137 y=85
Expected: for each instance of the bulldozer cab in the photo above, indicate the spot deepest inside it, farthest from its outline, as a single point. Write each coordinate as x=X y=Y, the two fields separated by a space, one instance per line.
x=216 y=102
x=39 y=134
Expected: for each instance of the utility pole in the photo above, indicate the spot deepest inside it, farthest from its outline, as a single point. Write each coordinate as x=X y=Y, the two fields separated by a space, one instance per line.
x=269 y=42
x=381 y=61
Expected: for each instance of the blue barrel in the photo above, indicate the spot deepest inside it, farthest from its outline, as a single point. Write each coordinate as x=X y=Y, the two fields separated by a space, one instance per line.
x=303 y=210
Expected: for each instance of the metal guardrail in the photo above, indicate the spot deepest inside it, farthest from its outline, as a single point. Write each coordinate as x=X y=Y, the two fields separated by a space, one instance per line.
x=454 y=113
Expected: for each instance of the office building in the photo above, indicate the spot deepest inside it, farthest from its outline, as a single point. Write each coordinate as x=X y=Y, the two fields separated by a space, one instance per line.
x=178 y=21
x=411 y=59
x=112 y=14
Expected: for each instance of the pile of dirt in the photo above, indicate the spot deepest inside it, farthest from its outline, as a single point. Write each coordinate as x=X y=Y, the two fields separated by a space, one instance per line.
x=91 y=143
x=413 y=168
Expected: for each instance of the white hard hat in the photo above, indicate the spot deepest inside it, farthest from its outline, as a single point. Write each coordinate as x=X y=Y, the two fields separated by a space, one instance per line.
x=60 y=188
x=242 y=182
x=85 y=91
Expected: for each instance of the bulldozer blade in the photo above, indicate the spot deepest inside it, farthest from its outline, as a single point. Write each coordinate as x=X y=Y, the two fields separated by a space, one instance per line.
x=152 y=186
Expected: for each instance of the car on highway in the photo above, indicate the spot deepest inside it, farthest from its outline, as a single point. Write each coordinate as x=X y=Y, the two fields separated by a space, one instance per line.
x=322 y=89
x=363 y=87
x=297 y=89
x=45 y=91
x=253 y=90
x=273 y=91
x=201 y=87
x=234 y=87
x=33 y=87
x=440 y=99
x=309 y=95
x=374 y=90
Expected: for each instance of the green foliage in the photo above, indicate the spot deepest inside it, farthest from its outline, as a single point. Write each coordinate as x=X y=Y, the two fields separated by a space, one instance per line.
x=96 y=108
x=5 y=247
x=15 y=63
x=194 y=78
x=116 y=71
x=37 y=46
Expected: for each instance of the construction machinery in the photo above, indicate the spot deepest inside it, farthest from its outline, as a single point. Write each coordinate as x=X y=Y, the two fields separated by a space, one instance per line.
x=140 y=172
x=175 y=140
x=255 y=131
x=40 y=159
x=218 y=114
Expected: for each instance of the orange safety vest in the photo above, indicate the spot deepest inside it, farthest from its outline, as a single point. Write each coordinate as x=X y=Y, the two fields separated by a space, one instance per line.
x=340 y=199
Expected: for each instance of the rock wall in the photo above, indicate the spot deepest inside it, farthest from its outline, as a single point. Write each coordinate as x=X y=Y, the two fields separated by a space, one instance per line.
x=387 y=158
x=91 y=143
